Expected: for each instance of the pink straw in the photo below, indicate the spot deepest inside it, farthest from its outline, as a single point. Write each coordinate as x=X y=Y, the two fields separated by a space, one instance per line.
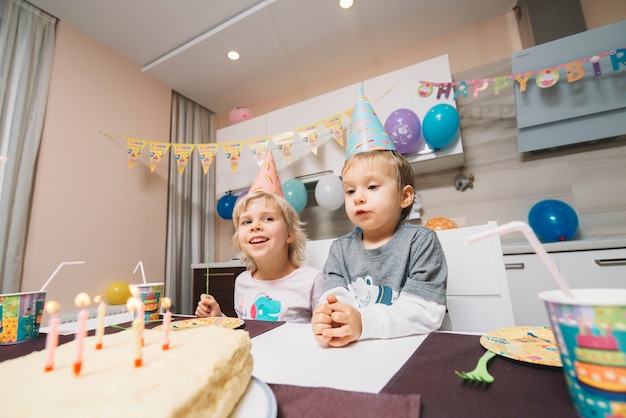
x=534 y=242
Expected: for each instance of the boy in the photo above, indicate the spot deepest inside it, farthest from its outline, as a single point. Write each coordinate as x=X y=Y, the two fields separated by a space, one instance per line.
x=388 y=278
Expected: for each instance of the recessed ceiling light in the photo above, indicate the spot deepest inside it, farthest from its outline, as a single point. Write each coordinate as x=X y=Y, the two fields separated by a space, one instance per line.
x=233 y=55
x=346 y=4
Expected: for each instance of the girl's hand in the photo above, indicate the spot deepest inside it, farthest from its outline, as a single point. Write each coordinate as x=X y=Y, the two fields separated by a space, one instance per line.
x=208 y=306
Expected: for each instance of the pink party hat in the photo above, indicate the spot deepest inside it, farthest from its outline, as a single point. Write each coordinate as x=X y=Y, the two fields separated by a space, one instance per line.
x=366 y=132
x=267 y=179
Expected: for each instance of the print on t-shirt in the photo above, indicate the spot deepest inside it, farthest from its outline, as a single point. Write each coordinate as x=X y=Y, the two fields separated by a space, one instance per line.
x=265 y=308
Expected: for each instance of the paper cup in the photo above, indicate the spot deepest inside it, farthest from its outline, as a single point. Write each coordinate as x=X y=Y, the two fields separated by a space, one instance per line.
x=591 y=335
x=150 y=294
x=20 y=316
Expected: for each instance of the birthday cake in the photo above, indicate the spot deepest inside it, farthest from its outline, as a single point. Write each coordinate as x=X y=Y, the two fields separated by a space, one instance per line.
x=203 y=374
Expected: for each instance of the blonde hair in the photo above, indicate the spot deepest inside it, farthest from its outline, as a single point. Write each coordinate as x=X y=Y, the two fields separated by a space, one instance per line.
x=404 y=172
x=295 y=251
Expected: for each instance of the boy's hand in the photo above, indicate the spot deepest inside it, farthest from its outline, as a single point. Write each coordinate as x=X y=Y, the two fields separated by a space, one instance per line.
x=336 y=323
x=208 y=306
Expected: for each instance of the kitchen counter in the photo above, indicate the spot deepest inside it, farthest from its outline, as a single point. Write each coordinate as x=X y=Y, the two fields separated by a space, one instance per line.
x=222 y=264
x=596 y=243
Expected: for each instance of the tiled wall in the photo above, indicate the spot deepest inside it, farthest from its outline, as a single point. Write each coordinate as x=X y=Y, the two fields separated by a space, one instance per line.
x=590 y=177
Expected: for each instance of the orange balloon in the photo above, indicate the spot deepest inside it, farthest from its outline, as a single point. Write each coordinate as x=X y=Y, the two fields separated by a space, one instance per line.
x=439 y=223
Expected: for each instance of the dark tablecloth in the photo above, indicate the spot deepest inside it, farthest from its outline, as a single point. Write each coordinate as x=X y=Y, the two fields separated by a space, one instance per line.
x=520 y=389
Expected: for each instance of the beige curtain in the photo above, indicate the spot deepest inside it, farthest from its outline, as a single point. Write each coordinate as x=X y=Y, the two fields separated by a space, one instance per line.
x=26 y=46
x=191 y=204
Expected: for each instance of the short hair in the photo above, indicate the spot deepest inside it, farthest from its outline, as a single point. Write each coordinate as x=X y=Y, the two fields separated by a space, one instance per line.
x=295 y=252
x=404 y=171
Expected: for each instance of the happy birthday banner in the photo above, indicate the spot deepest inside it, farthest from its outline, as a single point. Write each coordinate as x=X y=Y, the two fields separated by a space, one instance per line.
x=546 y=77
x=333 y=126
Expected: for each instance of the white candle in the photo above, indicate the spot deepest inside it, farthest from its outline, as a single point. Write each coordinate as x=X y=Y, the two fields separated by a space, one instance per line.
x=133 y=304
x=81 y=301
x=167 y=320
x=139 y=306
x=52 y=339
x=102 y=309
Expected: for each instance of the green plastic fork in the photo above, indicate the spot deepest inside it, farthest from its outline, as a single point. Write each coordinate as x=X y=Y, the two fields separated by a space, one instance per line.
x=480 y=373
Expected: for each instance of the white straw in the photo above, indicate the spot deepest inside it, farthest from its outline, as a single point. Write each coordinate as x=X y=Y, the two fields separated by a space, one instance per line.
x=143 y=274
x=65 y=263
x=534 y=242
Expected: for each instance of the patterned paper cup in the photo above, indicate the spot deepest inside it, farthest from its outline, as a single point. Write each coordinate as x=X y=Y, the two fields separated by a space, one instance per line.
x=150 y=294
x=20 y=316
x=591 y=335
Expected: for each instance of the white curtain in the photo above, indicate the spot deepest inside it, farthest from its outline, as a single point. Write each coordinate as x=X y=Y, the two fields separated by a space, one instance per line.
x=26 y=46
x=191 y=205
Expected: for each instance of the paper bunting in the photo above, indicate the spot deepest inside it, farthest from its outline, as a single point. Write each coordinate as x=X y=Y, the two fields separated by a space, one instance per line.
x=182 y=153
x=258 y=147
x=309 y=136
x=284 y=143
x=134 y=150
x=157 y=152
x=233 y=153
x=334 y=127
x=207 y=155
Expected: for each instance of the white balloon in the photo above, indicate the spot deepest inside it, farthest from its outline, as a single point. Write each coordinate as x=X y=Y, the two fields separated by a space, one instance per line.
x=329 y=192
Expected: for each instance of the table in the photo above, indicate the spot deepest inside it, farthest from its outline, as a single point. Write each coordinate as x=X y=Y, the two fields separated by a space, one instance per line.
x=373 y=373
x=288 y=357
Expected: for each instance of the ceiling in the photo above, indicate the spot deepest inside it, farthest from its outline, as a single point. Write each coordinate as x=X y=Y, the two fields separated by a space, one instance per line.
x=285 y=45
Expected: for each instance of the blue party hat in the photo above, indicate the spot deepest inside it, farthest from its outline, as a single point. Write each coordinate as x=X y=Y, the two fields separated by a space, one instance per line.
x=366 y=131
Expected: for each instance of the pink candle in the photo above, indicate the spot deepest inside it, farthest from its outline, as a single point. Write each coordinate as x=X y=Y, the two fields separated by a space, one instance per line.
x=167 y=320
x=102 y=309
x=52 y=339
x=82 y=301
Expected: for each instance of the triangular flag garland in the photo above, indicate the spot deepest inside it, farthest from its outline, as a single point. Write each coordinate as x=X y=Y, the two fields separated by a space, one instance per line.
x=284 y=143
x=258 y=147
x=207 y=155
x=335 y=125
x=157 y=152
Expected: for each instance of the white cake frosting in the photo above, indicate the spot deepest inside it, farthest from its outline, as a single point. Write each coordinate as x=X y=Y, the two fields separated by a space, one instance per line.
x=203 y=374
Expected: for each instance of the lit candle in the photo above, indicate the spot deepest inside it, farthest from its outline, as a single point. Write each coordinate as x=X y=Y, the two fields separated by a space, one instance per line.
x=167 y=320
x=52 y=339
x=133 y=304
x=81 y=301
x=140 y=309
x=102 y=309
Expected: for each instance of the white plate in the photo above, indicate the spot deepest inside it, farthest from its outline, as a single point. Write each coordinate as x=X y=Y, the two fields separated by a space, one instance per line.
x=257 y=401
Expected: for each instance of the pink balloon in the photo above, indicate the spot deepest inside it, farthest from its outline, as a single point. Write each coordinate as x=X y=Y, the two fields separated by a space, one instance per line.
x=404 y=128
x=239 y=114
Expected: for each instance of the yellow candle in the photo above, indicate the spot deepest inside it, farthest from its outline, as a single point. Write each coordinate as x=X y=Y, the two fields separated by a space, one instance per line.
x=82 y=300
x=167 y=320
x=52 y=339
x=102 y=310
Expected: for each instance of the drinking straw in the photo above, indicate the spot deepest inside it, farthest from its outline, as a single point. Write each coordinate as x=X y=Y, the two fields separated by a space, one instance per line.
x=207 y=273
x=143 y=274
x=535 y=244
x=64 y=263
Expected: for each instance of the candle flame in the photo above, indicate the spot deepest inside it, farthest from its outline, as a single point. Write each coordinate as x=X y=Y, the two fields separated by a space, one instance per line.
x=52 y=306
x=82 y=300
x=133 y=304
x=166 y=302
x=133 y=290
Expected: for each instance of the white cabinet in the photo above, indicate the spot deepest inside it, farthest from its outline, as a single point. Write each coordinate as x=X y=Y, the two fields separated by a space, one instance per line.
x=527 y=277
x=386 y=93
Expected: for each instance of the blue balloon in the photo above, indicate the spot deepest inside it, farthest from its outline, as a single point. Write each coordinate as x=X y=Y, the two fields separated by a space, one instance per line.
x=440 y=126
x=295 y=194
x=553 y=220
x=225 y=206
